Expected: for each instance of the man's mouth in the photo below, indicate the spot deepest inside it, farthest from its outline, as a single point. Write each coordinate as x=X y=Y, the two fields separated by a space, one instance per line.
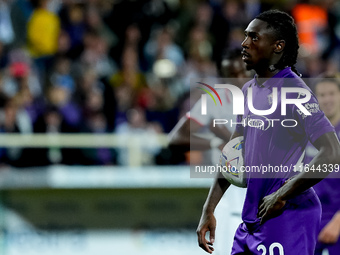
x=245 y=55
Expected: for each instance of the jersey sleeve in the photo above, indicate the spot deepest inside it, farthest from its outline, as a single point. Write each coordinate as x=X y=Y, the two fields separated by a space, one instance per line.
x=314 y=125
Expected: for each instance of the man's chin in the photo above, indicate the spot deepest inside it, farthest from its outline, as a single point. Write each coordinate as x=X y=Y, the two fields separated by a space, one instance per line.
x=249 y=66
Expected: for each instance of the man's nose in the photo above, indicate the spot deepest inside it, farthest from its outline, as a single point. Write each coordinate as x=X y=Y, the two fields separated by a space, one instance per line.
x=244 y=44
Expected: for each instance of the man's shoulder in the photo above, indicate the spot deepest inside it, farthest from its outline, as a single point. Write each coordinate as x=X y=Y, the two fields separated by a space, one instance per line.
x=292 y=80
x=288 y=78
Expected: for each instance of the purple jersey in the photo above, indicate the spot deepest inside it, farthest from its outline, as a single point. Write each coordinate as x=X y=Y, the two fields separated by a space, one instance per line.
x=282 y=235
x=272 y=143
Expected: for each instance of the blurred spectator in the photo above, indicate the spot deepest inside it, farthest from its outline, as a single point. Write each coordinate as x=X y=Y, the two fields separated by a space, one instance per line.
x=7 y=125
x=236 y=37
x=20 y=80
x=2 y=95
x=233 y=11
x=162 y=46
x=95 y=94
x=96 y=123
x=53 y=122
x=132 y=37
x=232 y=66
x=137 y=125
x=42 y=33
x=94 y=103
x=332 y=41
x=6 y=28
x=311 y=22
x=19 y=76
x=158 y=101
x=148 y=14
x=192 y=15
x=61 y=74
x=73 y=23
x=311 y=66
x=127 y=83
x=199 y=64
x=50 y=122
x=132 y=40
x=60 y=97
x=87 y=82
x=203 y=16
x=64 y=45
x=95 y=23
x=54 y=6
x=3 y=56
x=332 y=69
x=21 y=11
x=252 y=8
x=43 y=30
x=14 y=119
x=229 y=16
x=199 y=45
x=96 y=55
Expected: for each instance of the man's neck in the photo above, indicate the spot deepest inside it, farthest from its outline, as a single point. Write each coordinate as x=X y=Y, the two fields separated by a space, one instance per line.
x=266 y=74
x=263 y=78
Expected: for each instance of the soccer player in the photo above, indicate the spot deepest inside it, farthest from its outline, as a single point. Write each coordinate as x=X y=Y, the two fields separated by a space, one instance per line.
x=280 y=215
x=328 y=94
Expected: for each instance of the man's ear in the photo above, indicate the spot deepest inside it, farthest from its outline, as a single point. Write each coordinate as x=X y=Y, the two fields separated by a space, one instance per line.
x=279 y=46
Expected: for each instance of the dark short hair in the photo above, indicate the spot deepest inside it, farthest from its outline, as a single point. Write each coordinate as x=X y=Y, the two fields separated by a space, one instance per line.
x=284 y=28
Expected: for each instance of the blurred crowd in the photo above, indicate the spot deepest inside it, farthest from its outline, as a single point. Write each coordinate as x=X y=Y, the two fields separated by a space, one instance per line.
x=124 y=66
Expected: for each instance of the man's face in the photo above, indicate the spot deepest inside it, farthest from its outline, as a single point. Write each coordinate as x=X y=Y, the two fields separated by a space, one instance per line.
x=258 y=45
x=328 y=94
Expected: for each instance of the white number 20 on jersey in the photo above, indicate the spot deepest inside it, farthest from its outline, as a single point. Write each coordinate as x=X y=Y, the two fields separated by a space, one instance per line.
x=263 y=249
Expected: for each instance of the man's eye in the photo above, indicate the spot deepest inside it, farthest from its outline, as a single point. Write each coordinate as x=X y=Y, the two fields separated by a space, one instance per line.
x=255 y=38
